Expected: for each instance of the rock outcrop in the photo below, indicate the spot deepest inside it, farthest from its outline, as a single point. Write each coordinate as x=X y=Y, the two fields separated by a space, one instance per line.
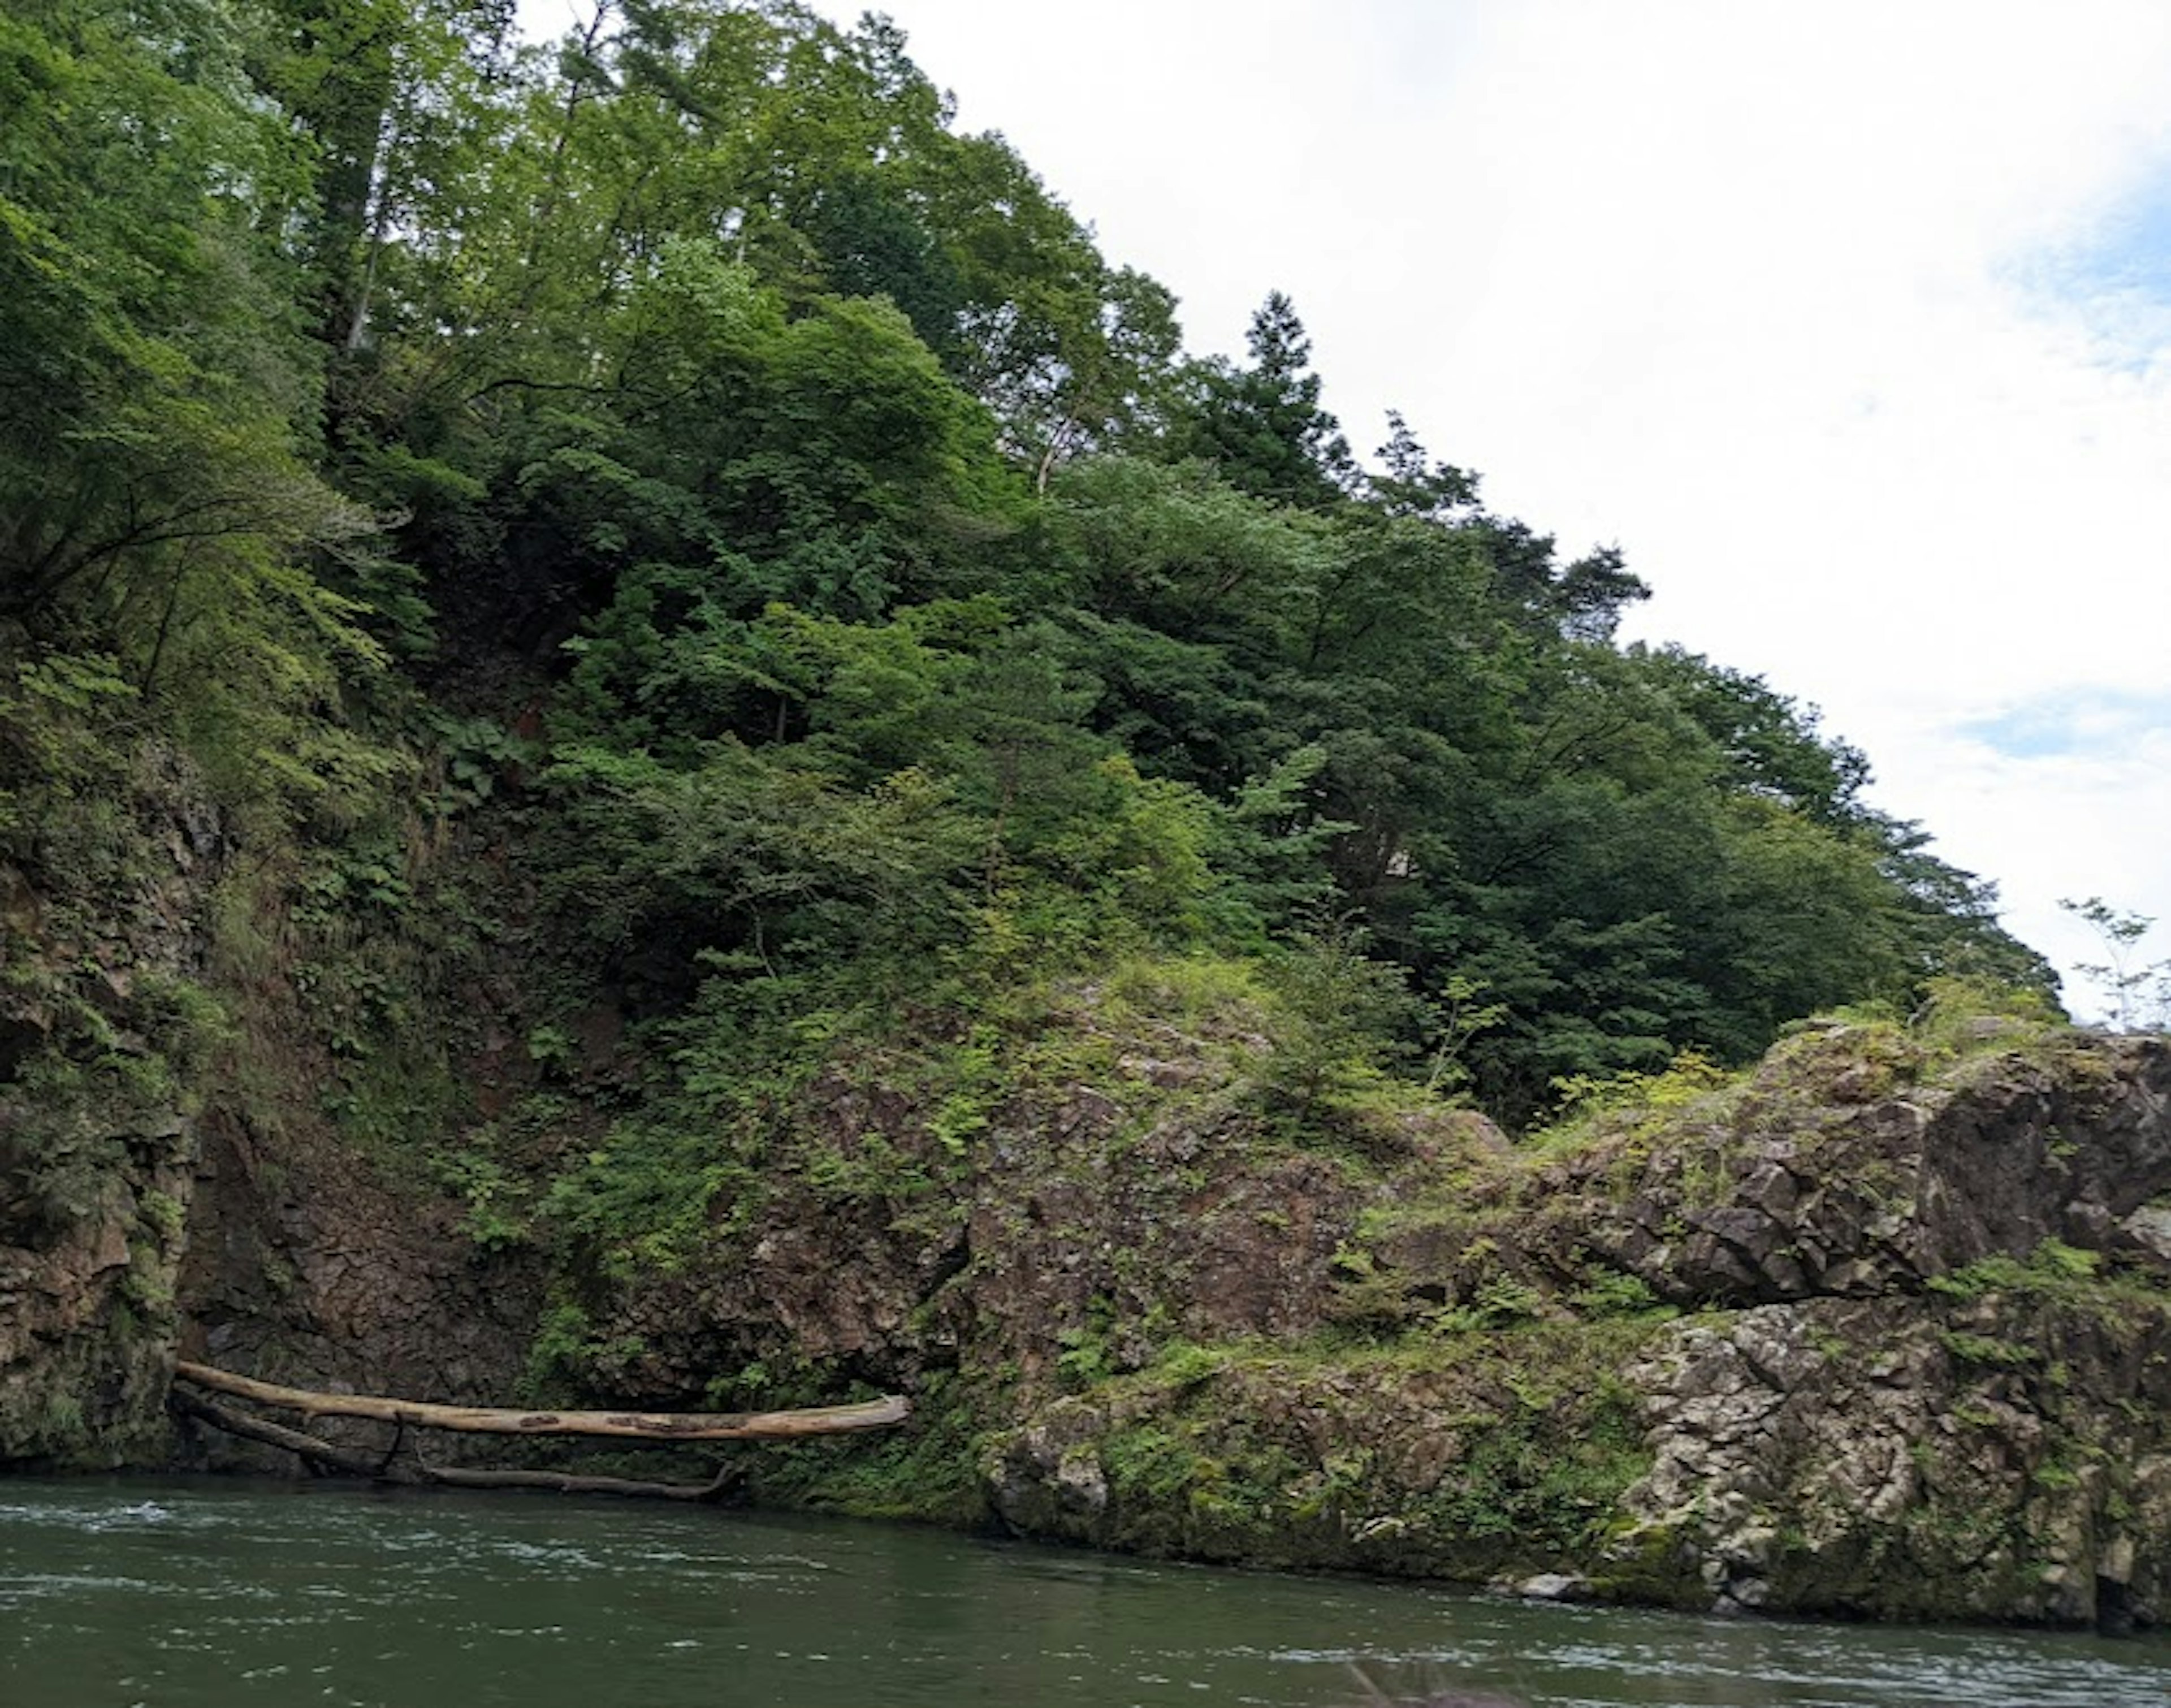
x=1892 y=1343
x=1958 y=1400
x=101 y=1027
x=1998 y=1458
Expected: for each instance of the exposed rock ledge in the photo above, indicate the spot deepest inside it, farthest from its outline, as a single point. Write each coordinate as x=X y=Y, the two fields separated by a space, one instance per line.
x=1923 y=1368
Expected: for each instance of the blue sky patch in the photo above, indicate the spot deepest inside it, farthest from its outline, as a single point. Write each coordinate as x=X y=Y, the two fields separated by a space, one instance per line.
x=2113 y=275
x=2079 y=721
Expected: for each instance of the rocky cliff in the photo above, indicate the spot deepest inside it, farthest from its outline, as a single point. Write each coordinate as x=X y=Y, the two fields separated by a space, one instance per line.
x=178 y=1036
x=103 y=1032
x=1882 y=1327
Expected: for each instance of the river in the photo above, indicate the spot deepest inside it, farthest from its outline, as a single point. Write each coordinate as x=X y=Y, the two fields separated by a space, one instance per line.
x=169 y=1594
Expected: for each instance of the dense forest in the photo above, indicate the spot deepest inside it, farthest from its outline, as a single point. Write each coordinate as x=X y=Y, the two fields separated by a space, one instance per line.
x=677 y=456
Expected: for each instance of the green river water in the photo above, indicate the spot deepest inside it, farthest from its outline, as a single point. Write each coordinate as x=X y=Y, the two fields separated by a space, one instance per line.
x=169 y=1594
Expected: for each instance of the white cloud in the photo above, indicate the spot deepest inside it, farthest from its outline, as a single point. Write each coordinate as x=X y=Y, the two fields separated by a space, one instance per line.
x=2052 y=826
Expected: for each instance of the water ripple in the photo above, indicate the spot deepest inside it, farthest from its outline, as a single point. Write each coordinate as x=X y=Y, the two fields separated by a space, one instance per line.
x=227 y=1595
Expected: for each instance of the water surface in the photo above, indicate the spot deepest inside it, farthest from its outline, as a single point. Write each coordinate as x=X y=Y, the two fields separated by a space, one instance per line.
x=172 y=1594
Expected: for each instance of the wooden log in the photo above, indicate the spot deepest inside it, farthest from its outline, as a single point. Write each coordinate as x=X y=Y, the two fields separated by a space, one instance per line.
x=486 y=1420
x=726 y=1480
x=322 y=1457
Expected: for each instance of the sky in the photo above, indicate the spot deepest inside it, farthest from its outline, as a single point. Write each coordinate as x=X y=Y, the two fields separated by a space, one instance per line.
x=1849 y=322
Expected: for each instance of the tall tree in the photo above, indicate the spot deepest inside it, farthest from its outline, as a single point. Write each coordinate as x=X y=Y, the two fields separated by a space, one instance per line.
x=1262 y=427
x=157 y=387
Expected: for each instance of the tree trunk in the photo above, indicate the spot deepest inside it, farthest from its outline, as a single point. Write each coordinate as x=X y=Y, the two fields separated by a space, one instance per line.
x=644 y=1425
x=323 y=1457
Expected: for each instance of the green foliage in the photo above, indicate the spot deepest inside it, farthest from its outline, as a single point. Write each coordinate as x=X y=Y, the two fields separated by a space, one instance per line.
x=1610 y=1293
x=1964 y=1015
x=1200 y=992
x=558 y=1355
x=154 y=473
x=1499 y=1301
x=60 y=720
x=1342 y=1017
x=1084 y=1360
x=1262 y=428
x=1185 y=1364
x=161 y=1213
x=497 y=1198
x=710 y=340
x=929 y=1473
x=962 y=1114
x=1517 y=1484
x=1987 y=1352
x=644 y=1198
x=1690 y=1077
x=2053 y=1271
x=875 y=1168
x=911 y=641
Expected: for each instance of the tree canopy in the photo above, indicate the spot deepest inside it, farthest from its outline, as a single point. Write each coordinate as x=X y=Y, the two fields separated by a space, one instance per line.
x=902 y=601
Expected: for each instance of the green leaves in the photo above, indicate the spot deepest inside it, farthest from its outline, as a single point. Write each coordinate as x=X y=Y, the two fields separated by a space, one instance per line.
x=755 y=852
x=1262 y=428
x=151 y=382
x=158 y=504
x=935 y=626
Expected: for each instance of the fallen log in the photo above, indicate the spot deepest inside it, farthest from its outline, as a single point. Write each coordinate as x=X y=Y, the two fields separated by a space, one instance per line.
x=322 y=1457
x=487 y=1420
x=724 y=1483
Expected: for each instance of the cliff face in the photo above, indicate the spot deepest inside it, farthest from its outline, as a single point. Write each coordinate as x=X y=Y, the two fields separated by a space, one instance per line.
x=1950 y=1388
x=1883 y=1328
x=1913 y=1359
x=101 y=1031
x=171 y=1177
x=86 y=1298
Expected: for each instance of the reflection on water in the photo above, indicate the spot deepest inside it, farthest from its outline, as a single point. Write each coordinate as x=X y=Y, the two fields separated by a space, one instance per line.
x=215 y=1593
